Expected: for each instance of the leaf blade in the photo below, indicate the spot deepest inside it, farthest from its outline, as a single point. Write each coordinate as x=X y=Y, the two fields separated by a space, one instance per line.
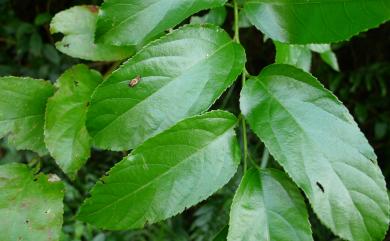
x=298 y=22
x=268 y=206
x=129 y=22
x=31 y=209
x=78 y=41
x=175 y=82
x=296 y=55
x=22 y=108
x=168 y=173
x=323 y=150
x=66 y=134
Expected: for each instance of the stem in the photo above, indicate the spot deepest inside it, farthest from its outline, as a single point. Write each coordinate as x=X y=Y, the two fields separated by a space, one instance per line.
x=264 y=158
x=236 y=28
x=236 y=38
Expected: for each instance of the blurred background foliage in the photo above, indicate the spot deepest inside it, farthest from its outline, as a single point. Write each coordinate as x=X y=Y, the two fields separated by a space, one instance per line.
x=27 y=49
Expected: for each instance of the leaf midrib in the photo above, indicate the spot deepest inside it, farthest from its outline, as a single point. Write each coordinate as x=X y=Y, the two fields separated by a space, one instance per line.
x=160 y=89
x=160 y=175
x=315 y=144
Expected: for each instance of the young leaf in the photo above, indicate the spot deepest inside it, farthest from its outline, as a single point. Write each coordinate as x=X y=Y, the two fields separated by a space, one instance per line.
x=30 y=206
x=177 y=76
x=313 y=136
x=131 y=22
x=78 y=25
x=297 y=55
x=268 y=206
x=168 y=173
x=22 y=111
x=66 y=135
x=299 y=21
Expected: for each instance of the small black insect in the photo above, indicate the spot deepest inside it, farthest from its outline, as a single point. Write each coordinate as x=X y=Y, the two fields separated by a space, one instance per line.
x=320 y=187
x=134 y=81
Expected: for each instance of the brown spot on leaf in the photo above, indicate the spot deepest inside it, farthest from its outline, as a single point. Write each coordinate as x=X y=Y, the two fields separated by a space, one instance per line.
x=93 y=8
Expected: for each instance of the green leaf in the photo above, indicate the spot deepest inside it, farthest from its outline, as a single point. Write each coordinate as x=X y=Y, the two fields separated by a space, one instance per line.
x=222 y=235
x=326 y=54
x=30 y=206
x=168 y=173
x=132 y=22
x=297 y=55
x=78 y=24
x=66 y=135
x=22 y=111
x=181 y=74
x=313 y=136
x=316 y=21
x=216 y=16
x=268 y=206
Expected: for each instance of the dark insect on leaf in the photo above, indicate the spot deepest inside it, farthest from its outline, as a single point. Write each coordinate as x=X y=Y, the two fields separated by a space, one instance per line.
x=134 y=81
x=320 y=187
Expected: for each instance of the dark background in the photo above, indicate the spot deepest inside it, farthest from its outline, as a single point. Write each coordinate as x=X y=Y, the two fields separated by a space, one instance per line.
x=26 y=49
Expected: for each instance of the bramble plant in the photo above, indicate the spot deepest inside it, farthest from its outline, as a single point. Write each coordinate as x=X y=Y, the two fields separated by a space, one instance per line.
x=156 y=104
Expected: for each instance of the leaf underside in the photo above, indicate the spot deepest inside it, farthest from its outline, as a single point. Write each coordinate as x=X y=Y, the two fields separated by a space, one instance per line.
x=78 y=25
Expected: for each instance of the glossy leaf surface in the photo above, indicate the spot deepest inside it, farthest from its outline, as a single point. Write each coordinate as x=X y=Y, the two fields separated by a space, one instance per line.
x=66 y=135
x=30 y=206
x=168 y=173
x=78 y=25
x=177 y=76
x=22 y=111
x=313 y=136
x=268 y=206
x=131 y=22
x=316 y=21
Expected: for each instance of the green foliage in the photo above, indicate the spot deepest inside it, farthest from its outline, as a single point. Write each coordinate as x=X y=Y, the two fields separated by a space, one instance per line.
x=177 y=156
x=31 y=205
x=313 y=136
x=315 y=21
x=132 y=22
x=22 y=111
x=268 y=206
x=175 y=82
x=78 y=41
x=166 y=174
x=216 y=16
x=66 y=135
x=297 y=55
